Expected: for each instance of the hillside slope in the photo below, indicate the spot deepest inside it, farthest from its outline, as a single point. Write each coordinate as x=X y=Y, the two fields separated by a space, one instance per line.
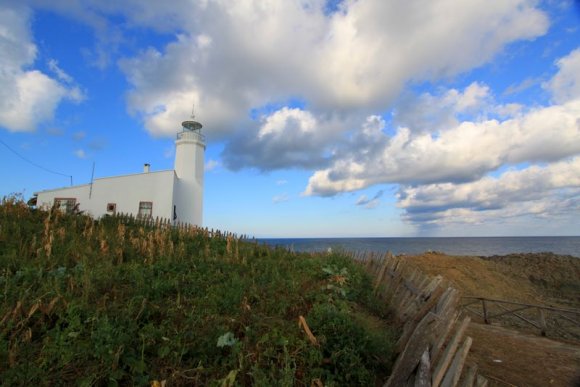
x=543 y=278
x=119 y=302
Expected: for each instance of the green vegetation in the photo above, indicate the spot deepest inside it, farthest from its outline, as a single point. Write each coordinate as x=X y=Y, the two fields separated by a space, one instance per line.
x=118 y=303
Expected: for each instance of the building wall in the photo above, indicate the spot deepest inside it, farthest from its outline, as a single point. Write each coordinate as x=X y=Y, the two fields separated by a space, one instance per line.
x=125 y=191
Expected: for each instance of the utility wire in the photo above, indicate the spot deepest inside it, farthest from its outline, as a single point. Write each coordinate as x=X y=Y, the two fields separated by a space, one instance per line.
x=36 y=165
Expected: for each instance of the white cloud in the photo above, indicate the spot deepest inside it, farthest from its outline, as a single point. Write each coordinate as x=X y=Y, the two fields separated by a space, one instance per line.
x=550 y=191
x=371 y=203
x=565 y=85
x=362 y=199
x=522 y=86
x=444 y=171
x=15 y=39
x=211 y=164
x=436 y=112
x=229 y=58
x=286 y=138
x=80 y=153
x=166 y=86
x=281 y=182
x=60 y=73
x=169 y=152
x=465 y=152
x=356 y=60
x=280 y=198
x=287 y=121
x=27 y=97
x=344 y=68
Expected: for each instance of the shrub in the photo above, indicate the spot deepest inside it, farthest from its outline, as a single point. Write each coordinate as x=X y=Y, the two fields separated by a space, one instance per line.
x=355 y=351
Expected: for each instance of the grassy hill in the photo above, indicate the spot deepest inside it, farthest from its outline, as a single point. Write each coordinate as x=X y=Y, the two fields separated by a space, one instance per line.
x=114 y=302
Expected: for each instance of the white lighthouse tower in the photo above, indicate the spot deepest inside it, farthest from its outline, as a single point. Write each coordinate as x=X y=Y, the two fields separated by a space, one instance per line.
x=189 y=168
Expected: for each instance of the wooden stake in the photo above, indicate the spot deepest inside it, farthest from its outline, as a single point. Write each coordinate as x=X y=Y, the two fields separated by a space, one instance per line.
x=412 y=323
x=454 y=373
x=481 y=381
x=470 y=376
x=411 y=355
x=449 y=352
x=423 y=378
x=302 y=323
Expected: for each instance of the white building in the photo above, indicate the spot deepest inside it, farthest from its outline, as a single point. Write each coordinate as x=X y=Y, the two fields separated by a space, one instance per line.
x=176 y=194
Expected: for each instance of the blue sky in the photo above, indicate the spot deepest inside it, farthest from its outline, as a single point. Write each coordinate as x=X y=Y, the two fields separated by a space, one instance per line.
x=323 y=118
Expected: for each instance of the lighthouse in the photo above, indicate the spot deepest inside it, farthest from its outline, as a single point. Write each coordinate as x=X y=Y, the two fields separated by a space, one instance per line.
x=189 y=169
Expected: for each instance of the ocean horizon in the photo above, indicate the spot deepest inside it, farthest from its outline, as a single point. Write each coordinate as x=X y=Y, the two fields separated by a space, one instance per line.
x=474 y=246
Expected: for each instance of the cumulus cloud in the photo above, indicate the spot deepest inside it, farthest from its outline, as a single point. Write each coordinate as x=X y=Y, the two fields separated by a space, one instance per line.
x=436 y=112
x=548 y=191
x=346 y=63
x=27 y=97
x=465 y=152
x=444 y=174
x=355 y=60
x=565 y=85
x=287 y=138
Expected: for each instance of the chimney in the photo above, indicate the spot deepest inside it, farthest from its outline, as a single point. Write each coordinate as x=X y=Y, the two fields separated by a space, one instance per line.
x=146 y=168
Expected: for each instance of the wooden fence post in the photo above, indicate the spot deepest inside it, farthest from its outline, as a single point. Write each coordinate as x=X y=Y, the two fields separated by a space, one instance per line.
x=483 y=307
x=542 y=321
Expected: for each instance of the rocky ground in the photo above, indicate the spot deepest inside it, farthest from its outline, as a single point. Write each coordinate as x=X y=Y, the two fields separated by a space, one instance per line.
x=508 y=353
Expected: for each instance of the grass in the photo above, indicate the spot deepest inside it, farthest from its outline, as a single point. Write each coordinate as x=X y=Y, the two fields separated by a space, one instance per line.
x=90 y=302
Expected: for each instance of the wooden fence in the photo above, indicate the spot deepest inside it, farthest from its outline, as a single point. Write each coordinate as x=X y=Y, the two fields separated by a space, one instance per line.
x=548 y=321
x=432 y=348
x=164 y=223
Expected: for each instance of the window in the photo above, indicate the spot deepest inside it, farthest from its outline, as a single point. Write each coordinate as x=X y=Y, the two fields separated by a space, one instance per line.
x=66 y=205
x=112 y=207
x=145 y=209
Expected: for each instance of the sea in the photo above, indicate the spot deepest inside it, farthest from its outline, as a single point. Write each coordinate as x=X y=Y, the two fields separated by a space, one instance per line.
x=477 y=246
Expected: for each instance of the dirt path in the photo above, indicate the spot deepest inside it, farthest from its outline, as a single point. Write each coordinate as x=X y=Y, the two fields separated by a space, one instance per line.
x=506 y=356
x=510 y=358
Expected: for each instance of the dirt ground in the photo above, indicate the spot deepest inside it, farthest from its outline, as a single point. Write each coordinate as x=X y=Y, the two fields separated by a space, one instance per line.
x=510 y=357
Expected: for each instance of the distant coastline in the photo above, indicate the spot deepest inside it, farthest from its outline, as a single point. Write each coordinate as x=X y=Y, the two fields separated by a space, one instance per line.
x=476 y=246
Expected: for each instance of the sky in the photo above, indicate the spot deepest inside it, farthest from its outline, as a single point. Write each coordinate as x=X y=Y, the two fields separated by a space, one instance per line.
x=323 y=118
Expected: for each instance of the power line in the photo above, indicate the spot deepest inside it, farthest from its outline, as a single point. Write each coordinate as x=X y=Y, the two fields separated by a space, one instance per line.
x=36 y=165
